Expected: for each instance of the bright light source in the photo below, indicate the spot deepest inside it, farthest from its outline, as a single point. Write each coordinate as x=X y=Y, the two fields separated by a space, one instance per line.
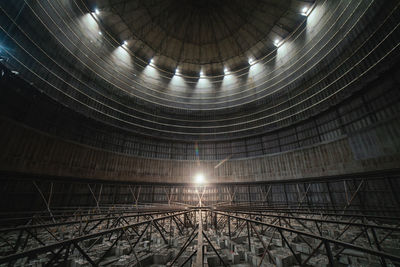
x=226 y=70
x=199 y=178
x=201 y=73
x=97 y=11
x=305 y=11
x=251 y=61
x=152 y=61
x=100 y=33
x=125 y=43
x=277 y=42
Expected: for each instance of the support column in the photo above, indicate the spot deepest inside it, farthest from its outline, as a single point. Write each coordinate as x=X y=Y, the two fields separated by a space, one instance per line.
x=199 y=257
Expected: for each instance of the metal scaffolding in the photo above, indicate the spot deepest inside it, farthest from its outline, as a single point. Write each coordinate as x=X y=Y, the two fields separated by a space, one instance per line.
x=307 y=235
x=327 y=231
x=59 y=240
x=346 y=220
x=368 y=193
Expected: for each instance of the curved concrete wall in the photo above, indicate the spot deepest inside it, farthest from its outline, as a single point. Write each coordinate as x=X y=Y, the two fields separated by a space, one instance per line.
x=25 y=150
x=339 y=44
x=374 y=102
x=363 y=137
x=328 y=105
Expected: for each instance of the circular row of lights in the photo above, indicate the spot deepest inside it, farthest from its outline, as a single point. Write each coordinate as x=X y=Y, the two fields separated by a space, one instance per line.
x=277 y=42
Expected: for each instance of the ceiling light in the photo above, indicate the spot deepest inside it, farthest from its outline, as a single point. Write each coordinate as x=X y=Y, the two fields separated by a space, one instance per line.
x=277 y=42
x=125 y=43
x=305 y=11
x=199 y=178
x=152 y=61
x=251 y=61
x=97 y=11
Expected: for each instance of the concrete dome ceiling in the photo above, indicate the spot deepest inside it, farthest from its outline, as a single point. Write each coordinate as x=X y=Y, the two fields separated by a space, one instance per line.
x=203 y=34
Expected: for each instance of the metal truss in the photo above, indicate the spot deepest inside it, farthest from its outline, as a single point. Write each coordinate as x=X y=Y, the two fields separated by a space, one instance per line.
x=305 y=235
x=62 y=240
x=343 y=220
x=330 y=236
x=374 y=194
x=73 y=214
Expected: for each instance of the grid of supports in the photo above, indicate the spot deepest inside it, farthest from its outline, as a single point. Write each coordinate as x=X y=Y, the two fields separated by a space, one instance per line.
x=256 y=236
x=348 y=220
x=373 y=193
